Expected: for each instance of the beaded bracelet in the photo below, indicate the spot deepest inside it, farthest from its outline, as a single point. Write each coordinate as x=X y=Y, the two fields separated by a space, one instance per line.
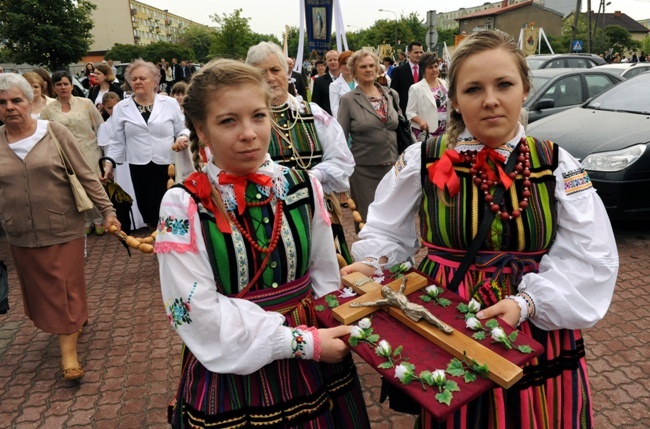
x=530 y=304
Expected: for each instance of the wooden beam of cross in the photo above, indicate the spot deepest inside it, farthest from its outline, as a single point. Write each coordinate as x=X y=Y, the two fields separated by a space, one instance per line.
x=500 y=370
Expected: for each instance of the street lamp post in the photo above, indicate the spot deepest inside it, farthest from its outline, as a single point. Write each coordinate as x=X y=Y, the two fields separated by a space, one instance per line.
x=384 y=10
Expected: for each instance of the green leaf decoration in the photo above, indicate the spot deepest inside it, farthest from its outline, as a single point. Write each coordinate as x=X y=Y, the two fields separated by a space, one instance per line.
x=513 y=336
x=425 y=298
x=408 y=378
x=480 y=335
x=427 y=377
x=373 y=338
x=409 y=366
x=319 y=308
x=463 y=308
x=398 y=350
x=455 y=368
x=452 y=386
x=444 y=397
x=469 y=377
x=491 y=323
x=481 y=370
x=444 y=302
x=386 y=365
x=525 y=349
x=331 y=301
x=354 y=341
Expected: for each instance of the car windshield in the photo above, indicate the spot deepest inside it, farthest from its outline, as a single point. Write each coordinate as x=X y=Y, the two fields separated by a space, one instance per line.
x=632 y=96
x=537 y=83
x=534 y=64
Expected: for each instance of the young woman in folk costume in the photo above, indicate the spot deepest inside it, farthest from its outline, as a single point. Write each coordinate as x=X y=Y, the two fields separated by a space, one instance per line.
x=305 y=137
x=548 y=263
x=242 y=249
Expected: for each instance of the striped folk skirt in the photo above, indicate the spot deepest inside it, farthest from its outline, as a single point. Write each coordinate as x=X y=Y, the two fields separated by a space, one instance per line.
x=554 y=391
x=288 y=393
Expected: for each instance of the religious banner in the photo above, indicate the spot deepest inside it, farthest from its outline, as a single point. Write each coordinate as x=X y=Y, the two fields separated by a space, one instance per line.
x=530 y=41
x=318 y=15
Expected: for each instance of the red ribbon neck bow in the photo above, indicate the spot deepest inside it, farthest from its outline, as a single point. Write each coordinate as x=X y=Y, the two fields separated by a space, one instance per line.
x=240 y=183
x=498 y=160
x=199 y=184
x=442 y=171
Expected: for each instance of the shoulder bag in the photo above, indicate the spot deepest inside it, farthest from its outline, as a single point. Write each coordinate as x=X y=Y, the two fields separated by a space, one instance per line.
x=404 y=135
x=80 y=195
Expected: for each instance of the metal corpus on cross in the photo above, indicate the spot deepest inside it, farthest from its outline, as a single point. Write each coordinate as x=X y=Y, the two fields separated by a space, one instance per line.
x=500 y=370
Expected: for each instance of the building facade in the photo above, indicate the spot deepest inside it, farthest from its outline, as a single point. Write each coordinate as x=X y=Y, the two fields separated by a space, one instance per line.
x=449 y=20
x=133 y=22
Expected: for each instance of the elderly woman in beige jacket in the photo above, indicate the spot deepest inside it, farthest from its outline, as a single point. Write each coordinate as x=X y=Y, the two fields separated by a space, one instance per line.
x=38 y=213
x=427 y=105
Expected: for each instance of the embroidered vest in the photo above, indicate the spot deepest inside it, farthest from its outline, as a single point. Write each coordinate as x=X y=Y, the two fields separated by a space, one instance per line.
x=234 y=262
x=453 y=223
x=297 y=146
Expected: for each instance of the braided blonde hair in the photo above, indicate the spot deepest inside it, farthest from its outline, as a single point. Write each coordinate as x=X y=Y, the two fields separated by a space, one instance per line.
x=473 y=44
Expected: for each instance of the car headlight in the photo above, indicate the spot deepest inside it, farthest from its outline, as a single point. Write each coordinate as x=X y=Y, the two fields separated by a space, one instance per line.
x=613 y=161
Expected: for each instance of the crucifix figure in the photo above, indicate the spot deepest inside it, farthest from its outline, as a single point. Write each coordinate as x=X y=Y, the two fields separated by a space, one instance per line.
x=413 y=311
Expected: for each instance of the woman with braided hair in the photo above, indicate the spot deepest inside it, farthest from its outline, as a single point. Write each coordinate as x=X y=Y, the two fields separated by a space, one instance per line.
x=548 y=262
x=243 y=247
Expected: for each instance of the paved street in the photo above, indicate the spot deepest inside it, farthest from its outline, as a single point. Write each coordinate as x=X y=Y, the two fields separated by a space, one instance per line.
x=131 y=356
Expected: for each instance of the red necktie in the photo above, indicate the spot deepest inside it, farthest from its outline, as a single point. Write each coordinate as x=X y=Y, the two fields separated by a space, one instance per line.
x=240 y=182
x=415 y=74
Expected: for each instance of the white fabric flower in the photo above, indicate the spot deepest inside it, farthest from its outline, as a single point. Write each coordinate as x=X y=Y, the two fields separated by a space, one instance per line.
x=473 y=323
x=405 y=266
x=365 y=323
x=383 y=349
x=432 y=291
x=439 y=377
x=356 y=332
x=401 y=372
x=498 y=334
x=474 y=306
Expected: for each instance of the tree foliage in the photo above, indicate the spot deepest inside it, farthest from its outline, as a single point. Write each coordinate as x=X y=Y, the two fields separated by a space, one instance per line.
x=50 y=33
x=234 y=36
x=620 y=39
x=124 y=53
x=199 y=39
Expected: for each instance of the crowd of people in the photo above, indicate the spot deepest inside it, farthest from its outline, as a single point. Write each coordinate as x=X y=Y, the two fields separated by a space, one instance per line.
x=252 y=233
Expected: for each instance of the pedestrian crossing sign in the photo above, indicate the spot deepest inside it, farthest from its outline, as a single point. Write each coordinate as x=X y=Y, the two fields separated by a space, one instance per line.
x=577 y=46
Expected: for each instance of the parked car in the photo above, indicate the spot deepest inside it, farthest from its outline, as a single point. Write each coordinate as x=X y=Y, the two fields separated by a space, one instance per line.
x=563 y=61
x=625 y=70
x=556 y=90
x=610 y=135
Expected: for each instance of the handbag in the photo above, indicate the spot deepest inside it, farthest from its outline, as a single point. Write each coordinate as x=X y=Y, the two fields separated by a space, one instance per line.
x=405 y=137
x=78 y=191
x=122 y=201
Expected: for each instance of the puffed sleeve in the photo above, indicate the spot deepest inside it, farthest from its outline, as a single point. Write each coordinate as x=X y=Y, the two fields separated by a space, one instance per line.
x=323 y=265
x=575 y=283
x=390 y=229
x=227 y=335
x=335 y=169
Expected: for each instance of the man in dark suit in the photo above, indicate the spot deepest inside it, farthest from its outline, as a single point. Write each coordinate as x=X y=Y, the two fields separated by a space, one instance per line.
x=321 y=93
x=177 y=71
x=297 y=79
x=404 y=76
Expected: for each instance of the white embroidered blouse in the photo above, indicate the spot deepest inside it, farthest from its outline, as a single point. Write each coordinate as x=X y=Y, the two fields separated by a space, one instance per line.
x=231 y=335
x=574 y=286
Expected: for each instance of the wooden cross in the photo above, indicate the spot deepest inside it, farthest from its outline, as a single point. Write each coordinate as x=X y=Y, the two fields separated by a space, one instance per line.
x=501 y=371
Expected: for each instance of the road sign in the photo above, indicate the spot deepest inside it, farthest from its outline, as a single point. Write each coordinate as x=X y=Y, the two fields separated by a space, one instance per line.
x=577 y=46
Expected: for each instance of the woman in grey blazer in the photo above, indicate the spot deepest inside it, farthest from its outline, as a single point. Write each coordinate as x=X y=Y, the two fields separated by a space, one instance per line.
x=367 y=115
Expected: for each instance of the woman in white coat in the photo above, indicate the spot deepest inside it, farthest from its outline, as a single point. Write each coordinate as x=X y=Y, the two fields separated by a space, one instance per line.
x=427 y=105
x=145 y=128
x=343 y=84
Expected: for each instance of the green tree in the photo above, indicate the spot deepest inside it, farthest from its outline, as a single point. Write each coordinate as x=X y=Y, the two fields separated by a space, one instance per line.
x=50 y=33
x=620 y=39
x=293 y=40
x=198 y=39
x=155 y=51
x=125 y=53
x=234 y=35
x=447 y=36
